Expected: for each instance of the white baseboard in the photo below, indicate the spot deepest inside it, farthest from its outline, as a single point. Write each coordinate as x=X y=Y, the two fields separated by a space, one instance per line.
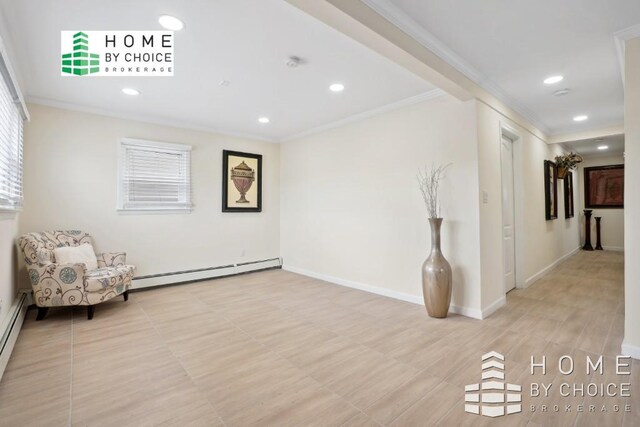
x=415 y=299
x=142 y=282
x=614 y=248
x=494 y=306
x=10 y=327
x=631 y=350
x=547 y=269
x=474 y=313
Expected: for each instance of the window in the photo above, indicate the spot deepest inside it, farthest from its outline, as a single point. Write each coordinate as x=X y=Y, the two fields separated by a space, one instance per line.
x=154 y=176
x=10 y=150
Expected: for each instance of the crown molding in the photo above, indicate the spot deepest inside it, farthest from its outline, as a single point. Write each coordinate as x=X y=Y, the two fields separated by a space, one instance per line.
x=412 y=100
x=589 y=134
x=404 y=22
x=620 y=37
x=143 y=118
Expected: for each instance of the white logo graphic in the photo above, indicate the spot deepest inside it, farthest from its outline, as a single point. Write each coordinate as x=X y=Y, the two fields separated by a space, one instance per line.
x=492 y=397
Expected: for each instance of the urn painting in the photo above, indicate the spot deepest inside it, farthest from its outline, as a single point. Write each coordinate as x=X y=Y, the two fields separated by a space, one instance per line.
x=241 y=182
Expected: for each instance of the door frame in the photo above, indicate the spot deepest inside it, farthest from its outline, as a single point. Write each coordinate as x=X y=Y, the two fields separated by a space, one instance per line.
x=511 y=133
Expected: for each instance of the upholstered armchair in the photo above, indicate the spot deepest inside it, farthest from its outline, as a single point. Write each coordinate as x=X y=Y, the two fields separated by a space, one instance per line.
x=71 y=284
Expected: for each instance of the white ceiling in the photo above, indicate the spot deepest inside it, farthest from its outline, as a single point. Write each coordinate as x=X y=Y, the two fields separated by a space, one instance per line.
x=244 y=42
x=589 y=147
x=510 y=47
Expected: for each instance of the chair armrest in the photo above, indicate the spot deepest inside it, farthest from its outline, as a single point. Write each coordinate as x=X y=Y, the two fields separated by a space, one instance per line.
x=57 y=284
x=111 y=259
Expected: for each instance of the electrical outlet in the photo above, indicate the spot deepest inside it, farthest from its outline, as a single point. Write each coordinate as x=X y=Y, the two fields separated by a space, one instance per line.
x=242 y=252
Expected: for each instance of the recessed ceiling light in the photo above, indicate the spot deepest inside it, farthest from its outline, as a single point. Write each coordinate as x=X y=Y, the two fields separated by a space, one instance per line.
x=580 y=118
x=336 y=87
x=561 y=92
x=171 y=22
x=130 y=91
x=264 y=120
x=603 y=147
x=553 y=79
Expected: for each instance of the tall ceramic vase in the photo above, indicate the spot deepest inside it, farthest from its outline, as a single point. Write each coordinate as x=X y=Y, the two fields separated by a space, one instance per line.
x=436 y=276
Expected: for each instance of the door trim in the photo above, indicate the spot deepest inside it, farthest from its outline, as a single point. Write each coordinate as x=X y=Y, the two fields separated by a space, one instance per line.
x=510 y=132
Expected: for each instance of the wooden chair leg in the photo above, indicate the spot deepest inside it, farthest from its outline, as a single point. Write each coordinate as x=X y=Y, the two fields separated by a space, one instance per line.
x=125 y=294
x=42 y=312
x=90 y=310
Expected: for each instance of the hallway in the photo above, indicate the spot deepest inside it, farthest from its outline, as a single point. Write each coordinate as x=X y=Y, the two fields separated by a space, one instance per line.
x=276 y=348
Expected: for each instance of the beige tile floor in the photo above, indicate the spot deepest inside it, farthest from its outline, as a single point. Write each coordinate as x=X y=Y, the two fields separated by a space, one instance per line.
x=279 y=349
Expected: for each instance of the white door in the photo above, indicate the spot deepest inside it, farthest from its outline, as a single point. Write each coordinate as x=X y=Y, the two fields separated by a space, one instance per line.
x=508 y=216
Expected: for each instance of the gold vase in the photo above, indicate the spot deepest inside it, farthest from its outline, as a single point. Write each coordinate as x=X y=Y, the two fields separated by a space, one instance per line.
x=436 y=276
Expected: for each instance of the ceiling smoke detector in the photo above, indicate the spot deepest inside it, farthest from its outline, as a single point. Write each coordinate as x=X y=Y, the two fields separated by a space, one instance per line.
x=293 y=61
x=561 y=92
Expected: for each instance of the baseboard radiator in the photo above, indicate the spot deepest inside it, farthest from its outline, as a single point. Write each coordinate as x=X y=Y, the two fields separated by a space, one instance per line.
x=199 y=274
x=10 y=327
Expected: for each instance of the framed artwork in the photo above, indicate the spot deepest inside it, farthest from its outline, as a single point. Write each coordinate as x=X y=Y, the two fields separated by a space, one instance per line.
x=550 y=190
x=241 y=182
x=568 y=196
x=604 y=187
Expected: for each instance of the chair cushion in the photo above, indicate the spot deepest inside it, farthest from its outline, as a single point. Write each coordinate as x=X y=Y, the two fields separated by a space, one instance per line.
x=81 y=254
x=109 y=277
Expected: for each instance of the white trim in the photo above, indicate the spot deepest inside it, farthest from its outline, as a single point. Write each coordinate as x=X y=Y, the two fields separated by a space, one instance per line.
x=511 y=133
x=12 y=323
x=590 y=134
x=620 y=37
x=143 y=119
x=630 y=350
x=400 y=19
x=547 y=269
x=614 y=248
x=230 y=270
x=155 y=144
x=415 y=299
x=494 y=306
x=412 y=100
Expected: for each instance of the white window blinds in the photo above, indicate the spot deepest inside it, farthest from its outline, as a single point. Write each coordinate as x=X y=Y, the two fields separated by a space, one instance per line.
x=10 y=151
x=154 y=176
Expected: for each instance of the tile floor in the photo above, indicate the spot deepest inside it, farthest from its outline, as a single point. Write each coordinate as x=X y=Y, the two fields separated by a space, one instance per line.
x=278 y=349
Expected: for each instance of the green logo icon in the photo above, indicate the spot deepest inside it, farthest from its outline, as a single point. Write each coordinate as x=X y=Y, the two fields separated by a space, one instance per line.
x=80 y=61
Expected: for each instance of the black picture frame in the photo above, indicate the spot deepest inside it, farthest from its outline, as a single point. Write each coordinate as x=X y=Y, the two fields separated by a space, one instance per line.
x=569 y=206
x=550 y=190
x=241 y=163
x=592 y=181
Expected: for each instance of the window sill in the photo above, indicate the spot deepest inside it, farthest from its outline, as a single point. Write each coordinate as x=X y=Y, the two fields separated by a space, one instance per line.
x=9 y=213
x=153 y=211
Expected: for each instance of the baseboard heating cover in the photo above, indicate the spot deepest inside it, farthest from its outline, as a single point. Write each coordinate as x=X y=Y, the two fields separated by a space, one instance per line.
x=10 y=327
x=175 y=277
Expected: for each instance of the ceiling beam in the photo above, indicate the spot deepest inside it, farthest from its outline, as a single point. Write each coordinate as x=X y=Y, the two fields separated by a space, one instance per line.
x=590 y=134
x=363 y=24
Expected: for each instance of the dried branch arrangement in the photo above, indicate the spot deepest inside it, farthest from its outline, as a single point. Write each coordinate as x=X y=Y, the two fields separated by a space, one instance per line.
x=429 y=182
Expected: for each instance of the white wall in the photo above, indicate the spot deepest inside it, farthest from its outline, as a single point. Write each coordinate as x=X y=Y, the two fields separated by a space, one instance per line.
x=631 y=344
x=70 y=183
x=539 y=243
x=351 y=209
x=612 y=228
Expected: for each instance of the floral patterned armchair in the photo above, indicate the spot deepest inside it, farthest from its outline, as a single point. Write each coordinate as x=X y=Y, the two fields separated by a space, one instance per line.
x=72 y=284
